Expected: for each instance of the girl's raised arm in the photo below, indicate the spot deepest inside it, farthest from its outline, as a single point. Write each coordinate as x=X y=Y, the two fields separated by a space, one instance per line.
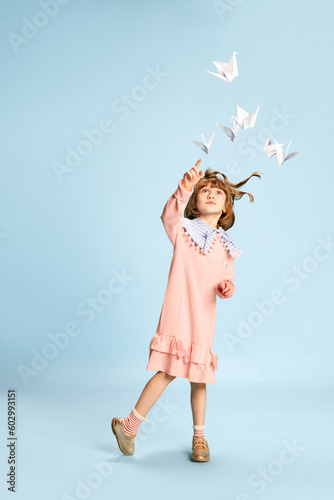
x=176 y=204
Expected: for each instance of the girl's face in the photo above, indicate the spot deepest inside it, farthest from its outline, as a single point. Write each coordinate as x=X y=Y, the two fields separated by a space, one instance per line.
x=210 y=200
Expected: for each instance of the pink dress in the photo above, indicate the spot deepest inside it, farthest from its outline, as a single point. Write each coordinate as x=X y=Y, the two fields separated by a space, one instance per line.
x=182 y=344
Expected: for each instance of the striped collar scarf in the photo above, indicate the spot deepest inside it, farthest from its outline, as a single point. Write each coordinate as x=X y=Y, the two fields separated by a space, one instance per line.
x=203 y=234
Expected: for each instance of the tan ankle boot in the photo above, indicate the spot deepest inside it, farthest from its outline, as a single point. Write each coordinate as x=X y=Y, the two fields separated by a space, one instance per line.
x=201 y=451
x=126 y=442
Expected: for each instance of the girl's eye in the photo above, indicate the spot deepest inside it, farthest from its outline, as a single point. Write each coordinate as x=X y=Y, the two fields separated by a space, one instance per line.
x=218 y=192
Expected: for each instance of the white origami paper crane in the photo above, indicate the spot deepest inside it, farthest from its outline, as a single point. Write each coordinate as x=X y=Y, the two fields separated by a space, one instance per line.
x=269 y=148
x=282 y=156
x=205 y=146
x=227 y=71
x=276 y=149
x=231 y=134
x=245 y=119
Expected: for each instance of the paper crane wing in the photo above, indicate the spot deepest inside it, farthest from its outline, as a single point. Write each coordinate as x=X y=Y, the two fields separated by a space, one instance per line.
x=231 y=70
x=291 y=155
x=210 y=140
x=229 y=132
x=280 y=154
x=200 y=145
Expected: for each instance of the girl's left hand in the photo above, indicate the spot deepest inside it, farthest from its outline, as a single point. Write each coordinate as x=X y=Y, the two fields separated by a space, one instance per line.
x=226 y=288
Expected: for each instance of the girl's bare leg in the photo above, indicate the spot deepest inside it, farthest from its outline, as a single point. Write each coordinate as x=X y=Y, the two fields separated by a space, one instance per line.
x=152 y=391
x=198 y=402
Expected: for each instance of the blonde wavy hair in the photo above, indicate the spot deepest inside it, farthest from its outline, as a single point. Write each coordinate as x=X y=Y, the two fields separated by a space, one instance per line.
x=231 y=191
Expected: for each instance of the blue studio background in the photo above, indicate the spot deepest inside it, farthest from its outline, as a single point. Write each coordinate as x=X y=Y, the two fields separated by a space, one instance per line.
x=99 y=100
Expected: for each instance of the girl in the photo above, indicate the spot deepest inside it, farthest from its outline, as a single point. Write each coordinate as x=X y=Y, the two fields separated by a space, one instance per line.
x=202 y=267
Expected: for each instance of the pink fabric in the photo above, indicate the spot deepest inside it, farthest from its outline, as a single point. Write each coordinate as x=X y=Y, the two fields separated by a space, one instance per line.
x=182 y=344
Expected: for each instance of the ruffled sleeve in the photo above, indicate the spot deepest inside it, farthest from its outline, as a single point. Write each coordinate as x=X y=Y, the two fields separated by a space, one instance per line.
x=173 y=210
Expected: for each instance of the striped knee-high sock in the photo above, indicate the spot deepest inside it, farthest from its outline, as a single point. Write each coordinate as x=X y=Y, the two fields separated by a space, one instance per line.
x=132 y=422
x=198 y=430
